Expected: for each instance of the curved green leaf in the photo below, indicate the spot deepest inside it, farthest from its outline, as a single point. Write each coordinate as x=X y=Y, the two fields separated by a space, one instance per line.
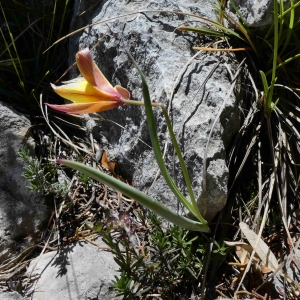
x=138 y=196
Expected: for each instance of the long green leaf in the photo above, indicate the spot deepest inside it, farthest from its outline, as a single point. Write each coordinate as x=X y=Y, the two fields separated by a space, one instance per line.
x=183 y=166
x=137 y=195
x=185 y=173
x=156 y=147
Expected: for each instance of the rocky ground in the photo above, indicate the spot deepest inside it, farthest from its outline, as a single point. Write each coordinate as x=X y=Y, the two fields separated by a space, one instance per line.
x=46 y=249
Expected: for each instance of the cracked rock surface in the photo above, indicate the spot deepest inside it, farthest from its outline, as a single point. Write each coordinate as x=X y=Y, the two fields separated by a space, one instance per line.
x=193 y=89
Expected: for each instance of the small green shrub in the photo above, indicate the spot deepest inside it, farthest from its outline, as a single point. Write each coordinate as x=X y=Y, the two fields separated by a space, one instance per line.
x=169 y=263
x=42 y=176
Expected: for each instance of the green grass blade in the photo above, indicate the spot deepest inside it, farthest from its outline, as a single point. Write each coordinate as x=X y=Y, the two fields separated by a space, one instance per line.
x=284 y=63
x=226 y=31
x=289 y=9
x=280 y=21
x=275 y=57
x=290 y=29
x=204 y=31
x=12 y=42
x=13 y=61
x=137 y=195
x=10 y=53
x=51 y=28
x=243 y=30
x=265 y=82
x=238 y=12
x=266 y=90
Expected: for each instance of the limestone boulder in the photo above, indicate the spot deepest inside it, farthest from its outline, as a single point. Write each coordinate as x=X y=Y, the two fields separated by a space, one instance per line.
x=78 y=271
x=21 y=210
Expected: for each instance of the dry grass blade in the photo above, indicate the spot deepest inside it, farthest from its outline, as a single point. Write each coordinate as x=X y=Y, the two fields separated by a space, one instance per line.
x=290 y=155
x=13 y=272
x=287 y=122
x=283 y=175
x=65 y=135
x=131 y=14
x=249 y=148
x=15 y=262
x=45 y=115
x=243 y=245
x=74 y=64
x=261 y=248
x=289 y=89
x=222 y=50
x=243 y=30
x=278 y=191
x=247 y=122
x=262 y=225
x=259 y=175
x=40 y=256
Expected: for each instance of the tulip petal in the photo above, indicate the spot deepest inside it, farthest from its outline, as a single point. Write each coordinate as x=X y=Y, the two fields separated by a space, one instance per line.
x=124 y=92
x=85 y=108
x=82 y=92
x=92 y=74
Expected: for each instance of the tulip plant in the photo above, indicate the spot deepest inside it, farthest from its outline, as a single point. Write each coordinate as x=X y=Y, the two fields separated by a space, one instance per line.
x=93 y=93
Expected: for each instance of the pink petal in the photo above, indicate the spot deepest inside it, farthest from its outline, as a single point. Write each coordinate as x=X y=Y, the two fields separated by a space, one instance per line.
x=85 y=108
x=124 y=92
x=92 y=74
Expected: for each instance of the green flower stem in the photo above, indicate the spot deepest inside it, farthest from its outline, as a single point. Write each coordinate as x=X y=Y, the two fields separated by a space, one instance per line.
x=137 y=195
x=186 y=176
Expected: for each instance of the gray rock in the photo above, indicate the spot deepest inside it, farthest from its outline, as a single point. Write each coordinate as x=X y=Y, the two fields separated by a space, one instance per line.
x=10 y=296
x=79 y=271
x=257 y=13
x=21 y=210
x=162 y=53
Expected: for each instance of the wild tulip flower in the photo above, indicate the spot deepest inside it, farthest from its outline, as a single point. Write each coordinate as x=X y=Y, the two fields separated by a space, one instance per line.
x=92 y=93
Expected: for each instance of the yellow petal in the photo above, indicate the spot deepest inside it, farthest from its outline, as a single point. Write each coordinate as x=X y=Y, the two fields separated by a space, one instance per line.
x=86 y=108
x=83 y=92
x=92 y=74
